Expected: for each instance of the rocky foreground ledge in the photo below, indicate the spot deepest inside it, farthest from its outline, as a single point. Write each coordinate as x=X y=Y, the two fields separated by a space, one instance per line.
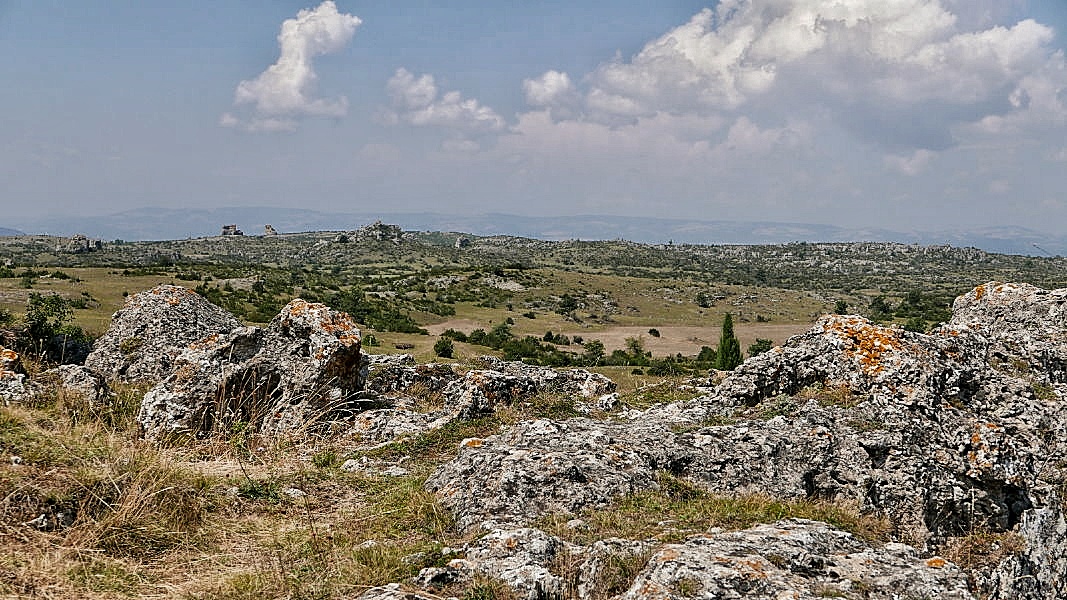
x=948 y=439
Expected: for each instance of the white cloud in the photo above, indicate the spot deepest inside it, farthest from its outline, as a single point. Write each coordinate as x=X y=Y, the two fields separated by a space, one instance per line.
x=550 y=89
x=416 y=101
x=282 y=94
x=912 y=164
x=886 y=63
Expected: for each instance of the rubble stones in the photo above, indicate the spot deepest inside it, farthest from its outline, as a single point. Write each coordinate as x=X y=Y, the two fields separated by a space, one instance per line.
x=303 y=368
x=152 y=329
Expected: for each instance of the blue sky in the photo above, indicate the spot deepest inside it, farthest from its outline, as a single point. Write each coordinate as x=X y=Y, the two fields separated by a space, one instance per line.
x=908 y=114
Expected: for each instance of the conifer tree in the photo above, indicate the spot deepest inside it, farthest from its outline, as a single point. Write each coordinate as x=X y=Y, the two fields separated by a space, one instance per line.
x=728 y=354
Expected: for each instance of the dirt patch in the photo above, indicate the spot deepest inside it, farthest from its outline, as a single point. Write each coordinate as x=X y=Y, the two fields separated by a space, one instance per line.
x=464 y=325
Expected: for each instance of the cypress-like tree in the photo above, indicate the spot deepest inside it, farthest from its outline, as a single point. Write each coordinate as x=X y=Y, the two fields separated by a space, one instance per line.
x=728 y=355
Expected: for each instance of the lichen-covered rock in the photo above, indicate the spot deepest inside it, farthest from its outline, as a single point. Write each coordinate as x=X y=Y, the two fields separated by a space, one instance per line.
x=12 y=379
x=75 y=380
x=571 y=382
x=522 y=559
x=1040 y=570
x=400 y=378
x=794 y=559
x=302 y=369
x=152 y=329
x=394 y=591
x=945 y=434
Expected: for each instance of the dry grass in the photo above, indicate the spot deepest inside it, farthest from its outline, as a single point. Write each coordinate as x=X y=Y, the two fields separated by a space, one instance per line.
x=230 y=517
x=679 y=509
x=983 y=548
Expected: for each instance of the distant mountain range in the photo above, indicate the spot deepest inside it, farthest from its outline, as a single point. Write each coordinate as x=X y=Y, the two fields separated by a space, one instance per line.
x=164 y=224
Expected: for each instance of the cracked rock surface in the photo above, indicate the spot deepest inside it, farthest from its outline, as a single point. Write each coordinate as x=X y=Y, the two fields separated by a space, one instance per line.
x=963 y=430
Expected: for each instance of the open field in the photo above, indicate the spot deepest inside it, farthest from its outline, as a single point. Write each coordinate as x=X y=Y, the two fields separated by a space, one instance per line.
x=607 y=291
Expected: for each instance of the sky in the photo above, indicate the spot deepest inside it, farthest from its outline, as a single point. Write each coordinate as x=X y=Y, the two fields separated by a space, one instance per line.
x=904 y=114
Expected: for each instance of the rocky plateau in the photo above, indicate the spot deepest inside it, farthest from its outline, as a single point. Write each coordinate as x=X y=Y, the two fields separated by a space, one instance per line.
x=948 y=436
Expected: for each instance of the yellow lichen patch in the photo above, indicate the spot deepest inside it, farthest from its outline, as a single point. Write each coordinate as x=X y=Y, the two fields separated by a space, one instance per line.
x=867 y=343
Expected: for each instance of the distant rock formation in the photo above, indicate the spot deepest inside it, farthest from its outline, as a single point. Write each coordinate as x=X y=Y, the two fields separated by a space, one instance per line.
x=268 y=231
x=79 y=244
x=379 y=232
x=231 y=230
x=152 y=329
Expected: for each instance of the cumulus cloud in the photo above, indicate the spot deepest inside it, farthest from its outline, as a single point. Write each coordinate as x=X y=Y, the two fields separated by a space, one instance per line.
x=284 y=93
x=883 y=63
x=416 y=100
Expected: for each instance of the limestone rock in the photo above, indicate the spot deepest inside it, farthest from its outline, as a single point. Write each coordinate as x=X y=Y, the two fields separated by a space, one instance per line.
x=152 y=329
x=401 y=377
x=945 y=434
x=76 y=380
x=572 y=382
x=477 y=393
x=12 y=380
x=394 y=591
x=522 y=559
x=794 y=559
x=302 y=369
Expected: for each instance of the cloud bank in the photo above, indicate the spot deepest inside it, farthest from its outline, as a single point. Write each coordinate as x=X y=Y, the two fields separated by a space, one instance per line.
x=786 y=105
x=284 y=93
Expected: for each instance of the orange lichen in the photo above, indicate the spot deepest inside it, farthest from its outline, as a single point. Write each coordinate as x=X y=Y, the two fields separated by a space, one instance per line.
x=206 y=342
x=868 y=343
x=979 y=292
x=472 y=443
x=936 y=562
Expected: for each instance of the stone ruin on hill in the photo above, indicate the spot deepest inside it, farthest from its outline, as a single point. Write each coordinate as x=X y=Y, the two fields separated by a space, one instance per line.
x=949 y=435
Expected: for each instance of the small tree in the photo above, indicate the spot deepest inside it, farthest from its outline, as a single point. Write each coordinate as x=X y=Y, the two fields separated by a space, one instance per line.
x=728 y=355
x=594 y=353
x=444 y=347
x=759 y=347
x=653 y=332
x=841 y=307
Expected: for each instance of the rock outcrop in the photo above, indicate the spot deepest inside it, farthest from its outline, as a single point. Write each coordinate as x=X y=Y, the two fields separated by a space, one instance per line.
x=304 y=368
x=960 y=431
x=152 y=329
x=475 y=394
x=794 y=559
